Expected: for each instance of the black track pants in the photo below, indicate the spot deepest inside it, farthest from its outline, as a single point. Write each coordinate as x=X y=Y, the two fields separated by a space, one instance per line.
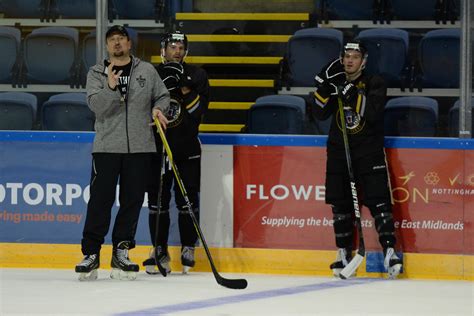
x=130 y=170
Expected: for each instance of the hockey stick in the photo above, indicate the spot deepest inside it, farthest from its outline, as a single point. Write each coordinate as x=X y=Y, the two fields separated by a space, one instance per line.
x=359 y=257
x=158 y=207
x=229 y=283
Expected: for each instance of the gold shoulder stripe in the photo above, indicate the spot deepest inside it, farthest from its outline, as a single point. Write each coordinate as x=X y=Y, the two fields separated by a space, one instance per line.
x=320 y=98
x=190 y=105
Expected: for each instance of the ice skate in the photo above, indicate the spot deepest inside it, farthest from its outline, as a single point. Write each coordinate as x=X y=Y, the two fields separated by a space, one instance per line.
x=122 y=267
x=187 y=258
x=87 y=268
x=161 y=265
x=342 y=259
x=392 y=263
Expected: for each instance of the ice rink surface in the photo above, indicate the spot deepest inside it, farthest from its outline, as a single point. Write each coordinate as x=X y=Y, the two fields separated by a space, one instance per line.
x=58 y=292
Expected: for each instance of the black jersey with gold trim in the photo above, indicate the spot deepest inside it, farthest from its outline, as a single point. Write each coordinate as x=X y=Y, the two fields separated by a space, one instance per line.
x=189 y=101
x=363 y=116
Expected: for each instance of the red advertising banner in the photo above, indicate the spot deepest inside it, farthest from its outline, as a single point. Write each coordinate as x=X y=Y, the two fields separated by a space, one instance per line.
x=469 y=203
x=279 y=199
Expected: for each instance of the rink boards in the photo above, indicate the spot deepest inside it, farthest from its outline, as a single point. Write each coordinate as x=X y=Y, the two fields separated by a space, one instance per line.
x=262 y=204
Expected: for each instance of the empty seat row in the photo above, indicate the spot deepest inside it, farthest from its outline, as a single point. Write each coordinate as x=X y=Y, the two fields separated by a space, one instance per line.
x=437 y=10
x=310 y=49
x=419 y=116
x=273 y=114
x=50 y=55
x=46 y=55
x=61 y=112
x=403 y=116
x=85 y=9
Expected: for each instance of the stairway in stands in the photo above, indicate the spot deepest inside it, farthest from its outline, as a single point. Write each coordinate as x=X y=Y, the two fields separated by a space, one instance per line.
x=241 y=53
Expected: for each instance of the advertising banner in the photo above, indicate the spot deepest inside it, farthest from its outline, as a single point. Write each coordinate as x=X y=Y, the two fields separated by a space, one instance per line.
x=44 y=189
x=279 y=199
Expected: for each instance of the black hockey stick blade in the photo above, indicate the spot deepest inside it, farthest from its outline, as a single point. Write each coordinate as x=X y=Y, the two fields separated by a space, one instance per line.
x=236 y=284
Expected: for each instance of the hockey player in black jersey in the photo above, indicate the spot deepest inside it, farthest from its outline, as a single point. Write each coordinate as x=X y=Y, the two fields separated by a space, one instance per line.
x=363 y=97
x=189 y=91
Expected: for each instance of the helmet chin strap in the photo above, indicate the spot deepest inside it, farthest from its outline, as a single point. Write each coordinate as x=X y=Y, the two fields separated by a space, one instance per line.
x=163 y=59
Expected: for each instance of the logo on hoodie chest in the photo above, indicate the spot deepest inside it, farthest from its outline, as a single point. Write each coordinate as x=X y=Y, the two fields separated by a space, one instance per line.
x=141 y=81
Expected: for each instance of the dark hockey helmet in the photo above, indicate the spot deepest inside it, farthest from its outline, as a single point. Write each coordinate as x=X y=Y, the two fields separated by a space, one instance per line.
x=357 y=46
x=174 y=37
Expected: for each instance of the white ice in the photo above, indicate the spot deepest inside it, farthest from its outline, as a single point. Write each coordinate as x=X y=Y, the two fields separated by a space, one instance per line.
x=58 y=292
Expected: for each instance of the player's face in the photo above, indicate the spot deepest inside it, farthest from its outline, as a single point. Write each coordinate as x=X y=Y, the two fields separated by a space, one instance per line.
x=352 y=61
x=118 y=45
x=175 y=51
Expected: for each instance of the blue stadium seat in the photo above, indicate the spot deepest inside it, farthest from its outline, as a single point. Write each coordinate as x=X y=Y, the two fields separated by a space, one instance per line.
x=453 y=118
x=50 y=54
x=89 y=50
x=439 y=54
x=67 y=112
x=10 y=39
x=73 y=9
x=23 y=8
x=388 y=50
x=89 y=47
x=349 y=10
x=309 y=50
x=18 y=110
x=411 y=116
x=277 y=114
x=322 y=127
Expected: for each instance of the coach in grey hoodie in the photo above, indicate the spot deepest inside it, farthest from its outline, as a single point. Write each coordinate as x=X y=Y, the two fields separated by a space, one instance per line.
x=125 y=94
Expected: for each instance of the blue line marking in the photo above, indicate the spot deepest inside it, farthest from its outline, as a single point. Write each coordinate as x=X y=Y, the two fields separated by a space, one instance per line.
x=213 y=302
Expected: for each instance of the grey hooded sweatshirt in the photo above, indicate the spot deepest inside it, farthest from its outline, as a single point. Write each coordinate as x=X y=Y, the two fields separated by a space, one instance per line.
x=124 y=127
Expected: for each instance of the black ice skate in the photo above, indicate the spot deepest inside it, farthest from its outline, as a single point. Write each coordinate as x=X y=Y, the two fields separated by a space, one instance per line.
x=122 y=267
x=159 y=265
x=87 y=268
x=343 y=257
x=187 y=258
x=392 y=263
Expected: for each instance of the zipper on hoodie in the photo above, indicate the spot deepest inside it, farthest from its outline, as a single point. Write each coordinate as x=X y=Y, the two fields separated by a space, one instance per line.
x=126 y=105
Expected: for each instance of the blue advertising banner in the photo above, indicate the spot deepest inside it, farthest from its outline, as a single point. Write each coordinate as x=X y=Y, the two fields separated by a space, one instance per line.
x=44 y=189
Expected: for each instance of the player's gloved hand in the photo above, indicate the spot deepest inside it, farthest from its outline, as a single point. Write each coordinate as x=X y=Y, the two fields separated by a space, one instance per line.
x=171 y=73
x=348 y=92
x=334 y=72
x=323 y=88
x=187 y=81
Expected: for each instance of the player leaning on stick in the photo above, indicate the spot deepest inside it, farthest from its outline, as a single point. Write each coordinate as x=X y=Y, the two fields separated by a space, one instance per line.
x=189 y=89
x=363 y=97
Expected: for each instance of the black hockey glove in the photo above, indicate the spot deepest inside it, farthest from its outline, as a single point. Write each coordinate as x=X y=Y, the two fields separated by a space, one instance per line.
x=187 y=81
x=348 y=92
x=171 y=73
x=324 y=89
x=334 y=72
